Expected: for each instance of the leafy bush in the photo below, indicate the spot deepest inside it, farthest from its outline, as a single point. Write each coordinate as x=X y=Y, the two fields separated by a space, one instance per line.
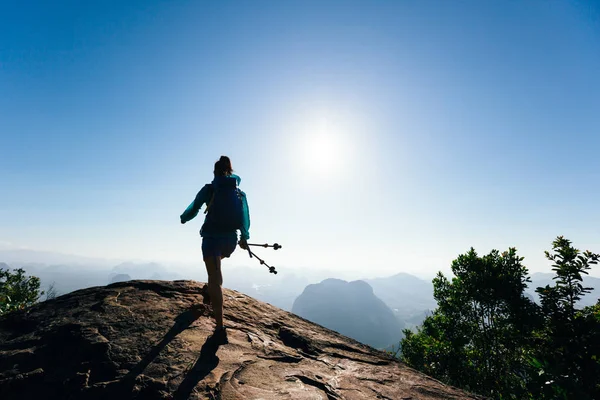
x=17 y=291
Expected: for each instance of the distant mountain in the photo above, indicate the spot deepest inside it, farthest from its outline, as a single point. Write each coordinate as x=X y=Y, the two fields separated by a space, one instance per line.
x=69 y=277
x=64 y=278
x=120 y=278
x=151 y=270
x=25 y=256
x=352 y=309
x=409 y=297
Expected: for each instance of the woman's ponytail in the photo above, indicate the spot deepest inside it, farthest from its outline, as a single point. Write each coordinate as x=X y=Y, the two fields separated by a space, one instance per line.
x=223 y=167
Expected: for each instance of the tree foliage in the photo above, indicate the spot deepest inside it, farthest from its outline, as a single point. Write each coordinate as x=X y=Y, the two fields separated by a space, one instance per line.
x=567 y=351
x=17 y=291
x=473 y=339
x=486 y=336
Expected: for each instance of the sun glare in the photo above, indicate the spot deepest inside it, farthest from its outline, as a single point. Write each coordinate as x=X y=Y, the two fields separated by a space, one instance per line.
x=322 y=152
x=325 y=144
x=323 y=149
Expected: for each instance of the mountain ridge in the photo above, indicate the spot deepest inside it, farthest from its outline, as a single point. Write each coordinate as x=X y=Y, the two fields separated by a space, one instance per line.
x=352 y=309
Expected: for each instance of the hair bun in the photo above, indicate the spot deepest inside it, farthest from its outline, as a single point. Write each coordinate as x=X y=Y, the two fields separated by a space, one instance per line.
x=223 y=166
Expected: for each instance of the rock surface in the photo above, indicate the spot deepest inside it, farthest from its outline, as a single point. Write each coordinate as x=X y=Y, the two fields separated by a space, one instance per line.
x=151 y=340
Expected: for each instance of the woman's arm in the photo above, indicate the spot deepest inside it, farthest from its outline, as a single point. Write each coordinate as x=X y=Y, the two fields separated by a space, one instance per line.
x=202 y=197
x=245 y=229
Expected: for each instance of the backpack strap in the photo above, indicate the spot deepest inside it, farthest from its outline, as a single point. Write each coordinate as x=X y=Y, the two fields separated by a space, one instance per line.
x=212 y=199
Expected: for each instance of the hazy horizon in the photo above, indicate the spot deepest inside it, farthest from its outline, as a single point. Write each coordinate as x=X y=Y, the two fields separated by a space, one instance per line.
x=372 y=138
x=197 y=266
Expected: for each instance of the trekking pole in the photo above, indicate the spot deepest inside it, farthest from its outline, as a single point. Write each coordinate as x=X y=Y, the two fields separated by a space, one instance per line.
x=275 y=246
x=262 y=262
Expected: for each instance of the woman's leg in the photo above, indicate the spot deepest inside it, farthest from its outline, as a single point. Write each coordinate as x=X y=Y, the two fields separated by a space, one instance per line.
x=215 y=249
x=215 y=291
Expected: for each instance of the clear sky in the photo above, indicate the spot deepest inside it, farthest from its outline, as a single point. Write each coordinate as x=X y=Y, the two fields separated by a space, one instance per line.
x=372 y=137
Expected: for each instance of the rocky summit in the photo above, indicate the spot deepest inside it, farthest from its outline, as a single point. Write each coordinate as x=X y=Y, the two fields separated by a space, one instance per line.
x=152 y=340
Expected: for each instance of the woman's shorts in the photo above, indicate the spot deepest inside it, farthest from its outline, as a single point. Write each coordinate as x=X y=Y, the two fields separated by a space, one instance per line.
x=221 y=247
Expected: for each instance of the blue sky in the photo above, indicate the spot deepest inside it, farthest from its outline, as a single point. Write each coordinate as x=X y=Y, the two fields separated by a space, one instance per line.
x=372 y=137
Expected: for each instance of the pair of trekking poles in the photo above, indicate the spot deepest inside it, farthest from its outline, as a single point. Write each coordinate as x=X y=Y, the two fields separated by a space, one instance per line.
x=275 y=246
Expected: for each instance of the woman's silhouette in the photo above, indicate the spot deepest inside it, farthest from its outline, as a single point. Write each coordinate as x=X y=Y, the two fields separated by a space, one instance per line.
x=226 y=212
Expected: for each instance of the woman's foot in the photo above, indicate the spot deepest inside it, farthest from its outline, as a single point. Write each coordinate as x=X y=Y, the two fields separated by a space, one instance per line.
x=219 y=335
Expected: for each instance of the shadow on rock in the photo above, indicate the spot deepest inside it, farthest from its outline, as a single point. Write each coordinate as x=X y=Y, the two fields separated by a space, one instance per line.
x=207 y=361
x=182 y=322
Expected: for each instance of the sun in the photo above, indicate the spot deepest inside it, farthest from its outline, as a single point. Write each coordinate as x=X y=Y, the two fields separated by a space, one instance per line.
x=325 y=144
x=323 y=149
x=322 y=152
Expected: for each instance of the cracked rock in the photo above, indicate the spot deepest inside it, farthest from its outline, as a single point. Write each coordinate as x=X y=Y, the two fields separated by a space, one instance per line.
x=151 y=340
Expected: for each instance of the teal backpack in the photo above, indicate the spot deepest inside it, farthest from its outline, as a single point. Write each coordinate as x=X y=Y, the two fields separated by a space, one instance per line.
x=225 y=211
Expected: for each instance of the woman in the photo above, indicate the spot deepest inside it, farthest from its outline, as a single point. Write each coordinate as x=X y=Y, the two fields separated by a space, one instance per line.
x=226 y=212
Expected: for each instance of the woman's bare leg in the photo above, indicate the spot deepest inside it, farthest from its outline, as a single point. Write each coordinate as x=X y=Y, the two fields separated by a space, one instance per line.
x=215 y=291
